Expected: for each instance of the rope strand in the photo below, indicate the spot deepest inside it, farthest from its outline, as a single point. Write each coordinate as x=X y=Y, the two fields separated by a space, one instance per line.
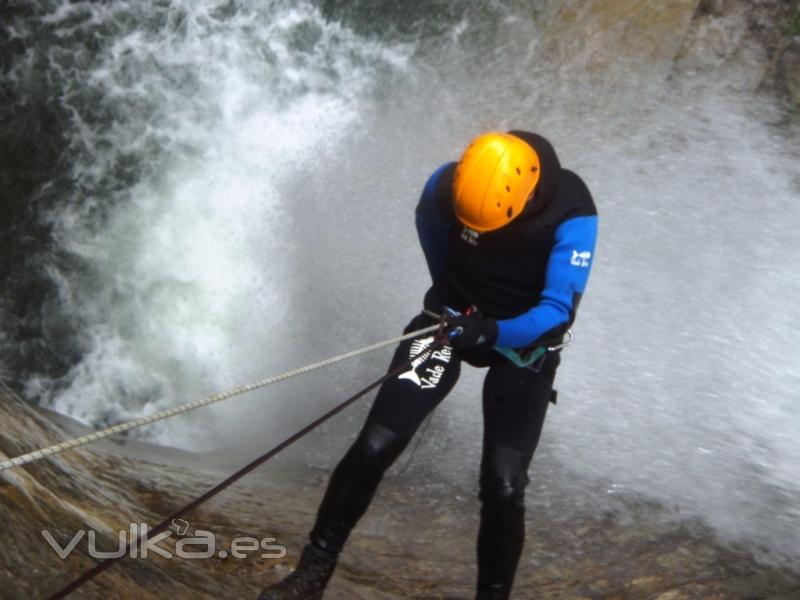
x=91 y=573
x=35 y=455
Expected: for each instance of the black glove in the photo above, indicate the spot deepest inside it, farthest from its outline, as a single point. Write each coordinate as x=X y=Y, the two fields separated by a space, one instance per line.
x=468 y=331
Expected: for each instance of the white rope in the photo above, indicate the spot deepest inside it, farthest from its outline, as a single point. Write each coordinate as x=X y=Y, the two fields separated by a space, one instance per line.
x=30 y=457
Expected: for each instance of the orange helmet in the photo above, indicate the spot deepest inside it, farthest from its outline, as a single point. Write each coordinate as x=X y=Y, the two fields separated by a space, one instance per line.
x=495 y=177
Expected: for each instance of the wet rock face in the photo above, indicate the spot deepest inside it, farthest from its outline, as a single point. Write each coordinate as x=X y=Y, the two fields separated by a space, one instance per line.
x=788 y=70
x=605 y=38
x=742 y=45
x=416 y=541
x=749 y=42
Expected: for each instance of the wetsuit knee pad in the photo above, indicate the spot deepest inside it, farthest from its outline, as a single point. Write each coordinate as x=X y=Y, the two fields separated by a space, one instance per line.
x=353 y=483
x=378 y=446
x=504 y=476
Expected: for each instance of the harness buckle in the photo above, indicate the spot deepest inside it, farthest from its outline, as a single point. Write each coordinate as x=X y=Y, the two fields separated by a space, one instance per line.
x=533 y=357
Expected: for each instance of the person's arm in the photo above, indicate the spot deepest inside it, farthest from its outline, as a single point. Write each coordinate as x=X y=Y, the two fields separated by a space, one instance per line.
x=432 y=226
x=565 y=281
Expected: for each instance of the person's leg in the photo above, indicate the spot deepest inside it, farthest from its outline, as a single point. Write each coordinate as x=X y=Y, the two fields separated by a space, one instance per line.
x=400 y=407
x=514 y=406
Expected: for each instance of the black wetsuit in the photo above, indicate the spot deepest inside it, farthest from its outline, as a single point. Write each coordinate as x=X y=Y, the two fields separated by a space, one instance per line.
x=529 y=275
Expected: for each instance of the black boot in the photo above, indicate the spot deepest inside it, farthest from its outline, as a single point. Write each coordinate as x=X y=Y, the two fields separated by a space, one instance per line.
x=492 y=592
x=307 y=581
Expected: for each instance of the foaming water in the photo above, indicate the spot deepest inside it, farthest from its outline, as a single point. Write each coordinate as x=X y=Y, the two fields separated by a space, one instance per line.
x=190 y=268
x=271 y=222
x=684 y=378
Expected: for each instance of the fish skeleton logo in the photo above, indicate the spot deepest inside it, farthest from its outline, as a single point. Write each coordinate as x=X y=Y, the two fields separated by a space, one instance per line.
x=432 y=375
x=580 y=259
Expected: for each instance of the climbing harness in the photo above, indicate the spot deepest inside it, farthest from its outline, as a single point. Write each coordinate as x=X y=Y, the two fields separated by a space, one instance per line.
x=533 y=356
x=439 y=342
x=30 y=457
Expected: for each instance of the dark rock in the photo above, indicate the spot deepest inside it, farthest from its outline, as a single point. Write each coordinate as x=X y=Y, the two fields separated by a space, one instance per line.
x=739 y=45
x=789 y=70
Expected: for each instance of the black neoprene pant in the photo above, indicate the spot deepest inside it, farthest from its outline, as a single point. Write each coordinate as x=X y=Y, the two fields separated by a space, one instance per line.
x=514 y=405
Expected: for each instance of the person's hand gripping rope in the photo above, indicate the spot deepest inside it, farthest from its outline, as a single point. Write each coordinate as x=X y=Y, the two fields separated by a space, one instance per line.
x=470 y=330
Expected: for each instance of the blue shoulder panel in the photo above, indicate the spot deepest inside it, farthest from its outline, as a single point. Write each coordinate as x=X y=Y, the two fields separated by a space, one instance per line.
x=432 y=227
x=567 y=274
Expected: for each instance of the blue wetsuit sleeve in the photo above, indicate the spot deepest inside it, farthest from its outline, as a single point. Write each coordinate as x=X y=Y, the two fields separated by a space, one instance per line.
x=565 y=280
x=432 y=227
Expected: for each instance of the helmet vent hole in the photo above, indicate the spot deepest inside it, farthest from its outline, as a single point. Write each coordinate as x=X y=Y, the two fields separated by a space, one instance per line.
x=508 y=188
x=509 y=212
x=498 y=205
x=518 y=171
x=534 y=169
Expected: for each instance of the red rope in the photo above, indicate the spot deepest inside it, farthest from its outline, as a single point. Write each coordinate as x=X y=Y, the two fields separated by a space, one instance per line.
x=90 y=574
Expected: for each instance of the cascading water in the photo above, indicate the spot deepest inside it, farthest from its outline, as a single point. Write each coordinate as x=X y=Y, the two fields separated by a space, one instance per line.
x=237 y=197
x=220 y=111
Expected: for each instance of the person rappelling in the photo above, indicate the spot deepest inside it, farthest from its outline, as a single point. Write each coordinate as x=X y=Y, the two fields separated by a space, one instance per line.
x=509 y=239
